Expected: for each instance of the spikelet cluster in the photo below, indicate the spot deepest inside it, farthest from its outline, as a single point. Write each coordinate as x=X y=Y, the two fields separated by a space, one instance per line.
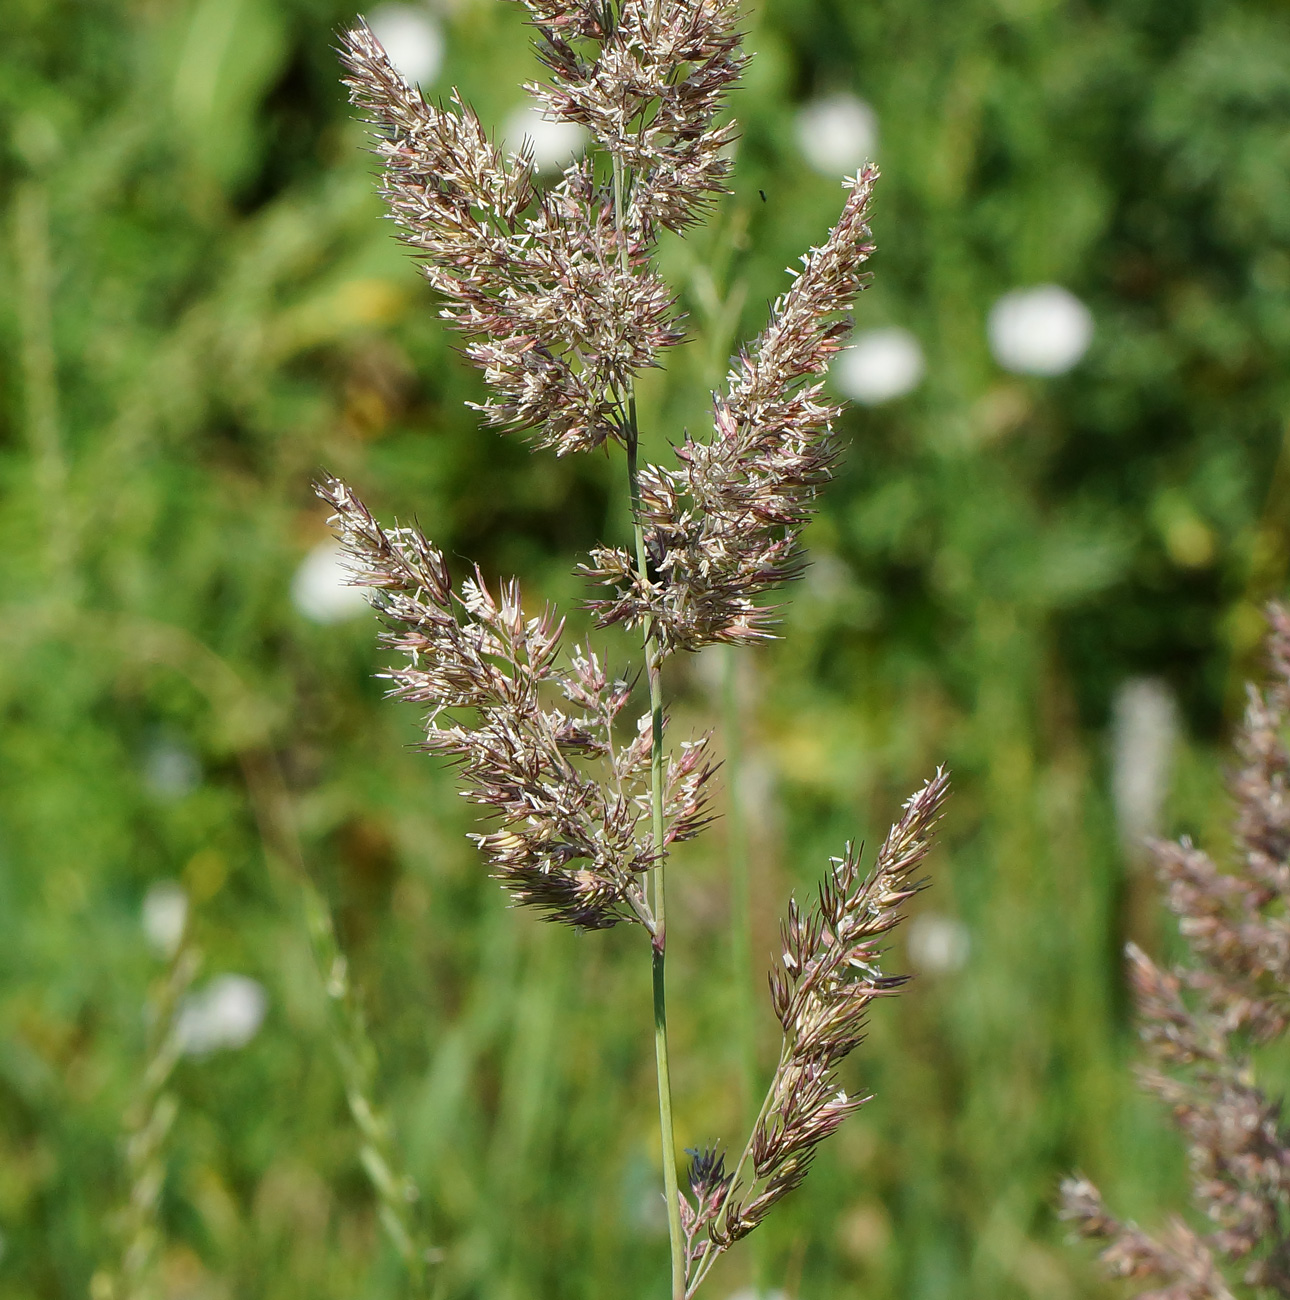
x=722 y=528
x=563 y=306
x=648 y=79
x=573 y=838
x=829 y=974
x=1199 y=1022
x=555 y=288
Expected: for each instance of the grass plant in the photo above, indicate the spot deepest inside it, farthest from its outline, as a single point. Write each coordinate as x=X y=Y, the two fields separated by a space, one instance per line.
x=558 y=295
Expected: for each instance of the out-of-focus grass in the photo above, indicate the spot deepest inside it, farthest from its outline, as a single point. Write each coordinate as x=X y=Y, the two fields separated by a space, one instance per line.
x=201 y=307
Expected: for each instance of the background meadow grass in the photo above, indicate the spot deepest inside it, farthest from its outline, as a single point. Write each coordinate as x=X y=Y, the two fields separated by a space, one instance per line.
x=201 y=307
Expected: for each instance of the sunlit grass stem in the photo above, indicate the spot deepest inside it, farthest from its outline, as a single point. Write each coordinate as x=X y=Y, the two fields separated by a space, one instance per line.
x=148 y=1122
x=658 y=898
x=658 y=905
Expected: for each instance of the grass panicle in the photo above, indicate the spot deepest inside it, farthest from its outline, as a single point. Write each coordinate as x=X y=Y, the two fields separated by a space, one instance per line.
x=562 y=303
x=1200 y=1022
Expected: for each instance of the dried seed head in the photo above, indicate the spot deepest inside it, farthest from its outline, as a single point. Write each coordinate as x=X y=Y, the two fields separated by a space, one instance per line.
x=1177 y=1254
x=830 y=974
x=648 y=80
x=562 y=306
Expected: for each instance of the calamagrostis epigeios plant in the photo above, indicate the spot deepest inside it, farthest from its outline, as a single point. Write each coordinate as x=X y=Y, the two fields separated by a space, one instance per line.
x=1200 y=1021
x=557 y=294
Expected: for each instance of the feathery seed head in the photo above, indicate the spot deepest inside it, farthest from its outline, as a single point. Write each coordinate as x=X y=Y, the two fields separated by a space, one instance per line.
x=1199 y=1019
x=555 y=289
x=723 y=527
x=829 y=974
x=571 y=841
x=557 y=293
x=562 y=305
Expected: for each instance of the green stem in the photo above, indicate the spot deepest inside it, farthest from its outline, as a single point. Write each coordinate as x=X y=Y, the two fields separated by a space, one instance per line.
x=356 y=1059
x=395 y=1191
x=658 y=902
x=654 y=671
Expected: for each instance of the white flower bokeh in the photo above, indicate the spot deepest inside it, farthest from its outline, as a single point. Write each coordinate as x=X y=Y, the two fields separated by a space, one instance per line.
x=879 y=366
x=171 y=770
x=223 y=1016
x=412 y=39
x=836 y=134
x=165 y=913
x=1039 y=331
x=1144 y=734
x=322 y=590
x=555 y=144
x=937 y=945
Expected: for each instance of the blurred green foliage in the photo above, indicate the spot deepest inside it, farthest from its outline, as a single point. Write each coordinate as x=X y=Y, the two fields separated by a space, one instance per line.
x=201 y=307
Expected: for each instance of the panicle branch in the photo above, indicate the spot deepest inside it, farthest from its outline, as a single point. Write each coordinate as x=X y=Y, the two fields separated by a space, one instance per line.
x=558 y=322
x=723 y=528
x=1199 y=1021
x=829 y=973
x=571 y=842
x=1176 y=1254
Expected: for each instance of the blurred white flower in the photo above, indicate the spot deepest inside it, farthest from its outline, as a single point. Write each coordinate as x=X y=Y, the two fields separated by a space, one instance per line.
x=748 y=1293
x=880 y=365
x=836 y=134
x=165 y=913
x=555 y=144
x=227 y=1013
x=412 y=39
x=1039 y=331
x=937 y=944
x=1144 y=731
x=828 y=578
x=170 y=770
x=321 y=589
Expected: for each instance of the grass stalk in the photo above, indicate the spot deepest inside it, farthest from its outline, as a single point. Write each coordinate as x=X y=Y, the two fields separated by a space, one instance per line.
x=148 y=1123
x=356 y=1058
x=658 y=897
x=559 y=351
x=396 y=1191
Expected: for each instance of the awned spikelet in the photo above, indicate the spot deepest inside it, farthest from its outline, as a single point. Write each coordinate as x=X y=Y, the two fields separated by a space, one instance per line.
x=723 y=528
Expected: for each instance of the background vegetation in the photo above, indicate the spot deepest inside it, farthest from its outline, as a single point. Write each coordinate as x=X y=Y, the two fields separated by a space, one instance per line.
x=201 y=307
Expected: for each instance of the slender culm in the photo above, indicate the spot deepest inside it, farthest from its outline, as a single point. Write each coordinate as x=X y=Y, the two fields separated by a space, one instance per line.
x=556 y=290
